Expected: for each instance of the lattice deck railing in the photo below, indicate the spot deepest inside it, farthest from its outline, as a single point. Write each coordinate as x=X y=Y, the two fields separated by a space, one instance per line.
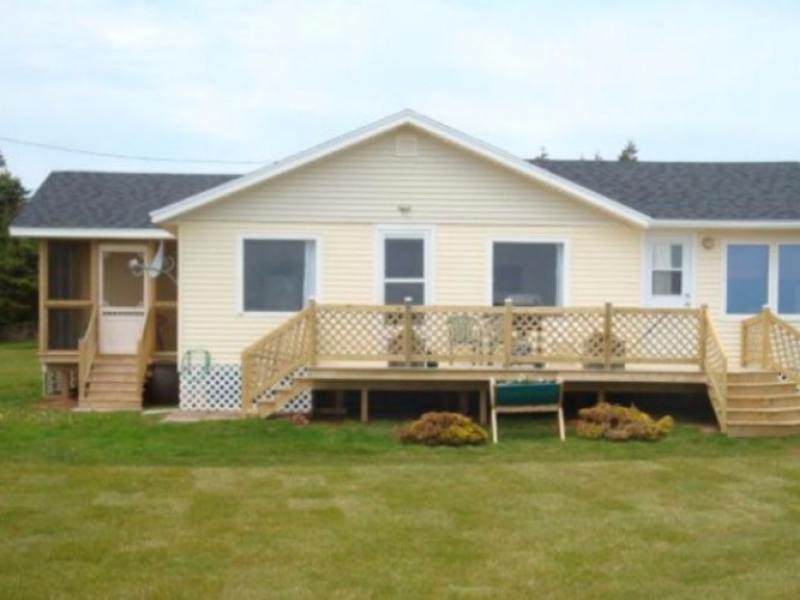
x=771 y=343
x=508 y=336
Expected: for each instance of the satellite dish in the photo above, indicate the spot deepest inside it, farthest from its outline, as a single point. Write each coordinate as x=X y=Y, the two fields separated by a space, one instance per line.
x=158 y=266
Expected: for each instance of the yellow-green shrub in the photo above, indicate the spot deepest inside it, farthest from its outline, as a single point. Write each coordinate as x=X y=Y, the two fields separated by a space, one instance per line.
x=443 y=429
x=620 y=423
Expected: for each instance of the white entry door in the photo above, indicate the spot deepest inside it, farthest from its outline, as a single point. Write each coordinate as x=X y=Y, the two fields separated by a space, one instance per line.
x=123 y=299
x=669 y=271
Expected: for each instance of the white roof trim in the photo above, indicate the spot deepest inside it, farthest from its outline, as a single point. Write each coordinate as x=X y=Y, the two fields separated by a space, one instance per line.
x=406 y=117
x=722 y=224
x=93 y=234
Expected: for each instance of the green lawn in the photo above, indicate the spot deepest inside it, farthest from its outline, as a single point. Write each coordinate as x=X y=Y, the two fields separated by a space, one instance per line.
x=120 y=506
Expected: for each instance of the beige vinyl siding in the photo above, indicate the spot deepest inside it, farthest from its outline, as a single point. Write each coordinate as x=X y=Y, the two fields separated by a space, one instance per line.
x=341 y=200
x=367 y=183
x=601 y=263
x=711 y=280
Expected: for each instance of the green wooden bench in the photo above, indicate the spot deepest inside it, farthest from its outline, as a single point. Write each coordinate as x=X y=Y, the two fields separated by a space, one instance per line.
x=527 y=397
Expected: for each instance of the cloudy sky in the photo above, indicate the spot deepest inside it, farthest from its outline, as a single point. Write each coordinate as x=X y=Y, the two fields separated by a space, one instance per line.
x=257 y=80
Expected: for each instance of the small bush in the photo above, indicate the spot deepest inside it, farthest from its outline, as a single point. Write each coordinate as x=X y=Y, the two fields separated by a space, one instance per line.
x=443 y=429
x=620 y=423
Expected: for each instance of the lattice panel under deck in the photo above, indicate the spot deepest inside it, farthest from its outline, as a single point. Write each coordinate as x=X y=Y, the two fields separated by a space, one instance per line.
x=218 y=388
x=654 y=336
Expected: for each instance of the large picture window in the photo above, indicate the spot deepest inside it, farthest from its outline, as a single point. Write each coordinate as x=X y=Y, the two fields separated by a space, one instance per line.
x=278 y=275
x=789 y=279
x=748 y=278
x=529 y=273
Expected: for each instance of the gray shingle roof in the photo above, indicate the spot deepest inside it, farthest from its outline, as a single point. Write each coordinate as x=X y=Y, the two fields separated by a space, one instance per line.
x=696 y=191
x=701 y=191
x=77 y=199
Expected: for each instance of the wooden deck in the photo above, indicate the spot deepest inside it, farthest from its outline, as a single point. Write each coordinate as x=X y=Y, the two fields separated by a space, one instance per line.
x=597 y=349
x=474 y=380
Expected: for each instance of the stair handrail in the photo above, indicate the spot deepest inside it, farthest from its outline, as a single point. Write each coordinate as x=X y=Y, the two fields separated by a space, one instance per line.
x=87 y=351
x=145 y=347
x=778 y=344
x=714 y=363
x=276 y=356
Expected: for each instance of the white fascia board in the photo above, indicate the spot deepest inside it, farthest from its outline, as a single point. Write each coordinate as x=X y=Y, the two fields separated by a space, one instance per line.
x=434 y=128
x=721 y=224
x=93 y=234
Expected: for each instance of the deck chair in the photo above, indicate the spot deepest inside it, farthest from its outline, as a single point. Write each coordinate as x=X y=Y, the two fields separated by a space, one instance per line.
x=464 y=330
x=527 y=397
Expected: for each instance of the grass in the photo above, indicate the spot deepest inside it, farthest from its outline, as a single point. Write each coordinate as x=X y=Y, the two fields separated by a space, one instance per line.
x=122 y=506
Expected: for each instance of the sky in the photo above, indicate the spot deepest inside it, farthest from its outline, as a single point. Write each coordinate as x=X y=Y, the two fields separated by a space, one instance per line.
x=259 y=80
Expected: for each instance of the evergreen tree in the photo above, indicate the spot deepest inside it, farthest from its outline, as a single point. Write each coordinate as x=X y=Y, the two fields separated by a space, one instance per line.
x=630 y=153
x=18 y=264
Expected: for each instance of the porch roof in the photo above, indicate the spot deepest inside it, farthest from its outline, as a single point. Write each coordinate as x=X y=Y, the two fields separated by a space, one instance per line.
x=108 y=201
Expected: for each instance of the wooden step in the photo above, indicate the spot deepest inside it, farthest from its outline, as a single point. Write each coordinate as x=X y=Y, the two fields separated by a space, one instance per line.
x=745 y=377
x=764 y=415
x=114 y=387
x=761 y=389
x=765 y=401
x=750 y=430
x=114 y=368
x=122 y=359
x=113 y=377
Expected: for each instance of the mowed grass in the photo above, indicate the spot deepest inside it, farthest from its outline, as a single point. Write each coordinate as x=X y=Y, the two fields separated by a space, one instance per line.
x=121 y=506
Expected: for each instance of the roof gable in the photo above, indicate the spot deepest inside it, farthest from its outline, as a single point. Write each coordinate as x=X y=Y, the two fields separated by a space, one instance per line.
x=396 y=121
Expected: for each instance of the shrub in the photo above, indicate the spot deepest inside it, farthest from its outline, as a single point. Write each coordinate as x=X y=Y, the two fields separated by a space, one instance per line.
x=620 y=423
x=443 y=429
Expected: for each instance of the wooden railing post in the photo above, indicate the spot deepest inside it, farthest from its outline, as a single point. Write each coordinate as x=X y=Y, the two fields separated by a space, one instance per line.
x=607 y=330
x=766 y=321
x=508 y=333
x=312 y=332
x=702 y=332
x=408 y=331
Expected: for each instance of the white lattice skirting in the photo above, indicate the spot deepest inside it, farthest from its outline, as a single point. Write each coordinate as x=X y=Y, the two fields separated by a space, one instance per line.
x=219 y=388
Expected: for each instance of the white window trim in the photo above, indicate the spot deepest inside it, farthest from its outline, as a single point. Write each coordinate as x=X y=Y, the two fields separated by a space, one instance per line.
x=692 y=238
x=424 y=232
x=295 y=237
x=565 y=282
x=772 y=274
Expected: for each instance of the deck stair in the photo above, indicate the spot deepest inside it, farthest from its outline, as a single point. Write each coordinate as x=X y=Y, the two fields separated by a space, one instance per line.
x=762 y=403
x=113 y=384
x=281 y=395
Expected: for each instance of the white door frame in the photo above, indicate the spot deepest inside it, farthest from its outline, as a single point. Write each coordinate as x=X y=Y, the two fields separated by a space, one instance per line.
x=118 y=328
x=688 y=296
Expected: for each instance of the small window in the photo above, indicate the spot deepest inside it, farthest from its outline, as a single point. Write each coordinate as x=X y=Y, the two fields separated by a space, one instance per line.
x=789 y=279
x=278 y=275
x=404 y=268
x=748 y=278
x=527 y=273
x=667 y=269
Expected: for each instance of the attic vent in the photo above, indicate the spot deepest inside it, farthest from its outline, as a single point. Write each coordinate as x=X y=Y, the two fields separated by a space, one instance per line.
x=405 y=144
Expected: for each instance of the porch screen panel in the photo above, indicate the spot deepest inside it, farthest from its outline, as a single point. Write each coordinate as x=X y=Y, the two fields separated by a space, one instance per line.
x=528 y=273
x=68 y=270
